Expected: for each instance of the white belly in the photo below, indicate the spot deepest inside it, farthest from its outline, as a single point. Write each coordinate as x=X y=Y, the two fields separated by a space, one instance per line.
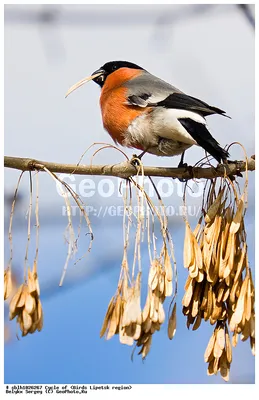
x=160 y=132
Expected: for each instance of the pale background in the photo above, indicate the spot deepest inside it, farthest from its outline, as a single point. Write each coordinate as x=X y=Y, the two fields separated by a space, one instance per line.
x=205 y=50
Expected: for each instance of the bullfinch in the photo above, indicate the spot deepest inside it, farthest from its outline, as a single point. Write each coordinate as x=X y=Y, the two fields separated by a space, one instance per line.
x=144 y=112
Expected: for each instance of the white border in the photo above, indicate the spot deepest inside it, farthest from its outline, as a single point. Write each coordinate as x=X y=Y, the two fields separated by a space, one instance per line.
x=151 y=391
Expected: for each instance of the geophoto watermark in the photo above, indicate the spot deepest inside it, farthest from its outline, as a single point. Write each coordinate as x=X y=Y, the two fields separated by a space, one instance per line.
x=108 y=187
x=102 y=211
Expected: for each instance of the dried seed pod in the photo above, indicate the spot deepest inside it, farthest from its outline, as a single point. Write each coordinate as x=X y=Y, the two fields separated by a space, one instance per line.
x=190 y=320
x=233 y=291
x=13 y=304
x=37 y=285
x=188 y=253
x=197 y=322
x=228 y=345
x=221 y=337
x=212 y=321
x=168 y=288
x=31 y=282
x=199 y=278
x=39 y=309
x=107 y=317
x=210 y=347
x=252 y=325
x=27 y=320
x=146 y=310
x=112 y=324
x=188 y=294
x=210 y=370
x=146 y=347
x=205 y=296
x=241 y=263
x=168 y=267
x=161 y=314
x=237 y=316
x=235 y=224
x=124 y=338
x=30 y=303
x=245 y=331
x=248 y=301
x=33 y=327
x=188 y=282
x=172 y=323
x=161 y=283
x=224 y=366
x=226 y=294
x=196 y=300
x=216 y=310
x=8 y=284
x=213 y=209
x=234 y=339
x=217 y=351
x=155 y=326
x=155 y=316
x=152 y=277
x=216 y=365
x=21 y=301
x=209 y=305
x=40 y=323
x=220 y=290
x=137 y=333
x=143 y=339
x=193 y=270
x=252 y=345
x=146 y=325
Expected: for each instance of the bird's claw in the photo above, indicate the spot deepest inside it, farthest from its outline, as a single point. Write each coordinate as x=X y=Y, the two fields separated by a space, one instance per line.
x=188 y=168
x=182 y=165
x=135 y=160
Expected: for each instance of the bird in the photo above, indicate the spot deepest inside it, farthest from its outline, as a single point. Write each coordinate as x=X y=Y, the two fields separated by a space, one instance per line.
x=142 y=111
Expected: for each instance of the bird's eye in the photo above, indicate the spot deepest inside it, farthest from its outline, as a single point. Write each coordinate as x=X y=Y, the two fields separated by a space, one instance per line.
x=114 y=67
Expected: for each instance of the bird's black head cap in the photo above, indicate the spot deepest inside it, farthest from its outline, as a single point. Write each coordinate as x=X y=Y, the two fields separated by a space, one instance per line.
x=111 y=67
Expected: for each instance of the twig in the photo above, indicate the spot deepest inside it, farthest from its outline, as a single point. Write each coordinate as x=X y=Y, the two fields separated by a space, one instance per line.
x=126 y=169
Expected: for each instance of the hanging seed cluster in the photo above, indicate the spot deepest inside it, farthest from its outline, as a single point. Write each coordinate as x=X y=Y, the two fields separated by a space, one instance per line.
x=218 y=353
x=26 y=306
x=159 y=287
x=125 y=316
x=25 y=303
x=219 y=287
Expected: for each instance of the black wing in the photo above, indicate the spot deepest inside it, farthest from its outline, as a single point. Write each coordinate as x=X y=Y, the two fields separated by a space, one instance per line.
x=185 y=102
x=178 y=101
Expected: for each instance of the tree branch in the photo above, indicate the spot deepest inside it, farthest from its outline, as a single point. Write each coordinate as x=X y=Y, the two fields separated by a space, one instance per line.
x=126 y=169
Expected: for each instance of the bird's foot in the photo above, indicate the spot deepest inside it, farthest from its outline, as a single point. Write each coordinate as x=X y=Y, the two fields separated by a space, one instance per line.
x=182 y=165
x=188 y=168
x=136 y=159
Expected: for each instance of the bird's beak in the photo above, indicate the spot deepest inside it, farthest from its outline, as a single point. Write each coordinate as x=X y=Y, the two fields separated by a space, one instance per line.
x=83 y=81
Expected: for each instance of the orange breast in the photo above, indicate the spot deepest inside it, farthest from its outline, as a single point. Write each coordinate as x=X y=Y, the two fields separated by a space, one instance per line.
x=117 y=115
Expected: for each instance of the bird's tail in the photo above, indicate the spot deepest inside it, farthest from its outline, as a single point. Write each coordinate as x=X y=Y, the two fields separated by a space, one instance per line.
x=200 y=133
x=216 y=150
